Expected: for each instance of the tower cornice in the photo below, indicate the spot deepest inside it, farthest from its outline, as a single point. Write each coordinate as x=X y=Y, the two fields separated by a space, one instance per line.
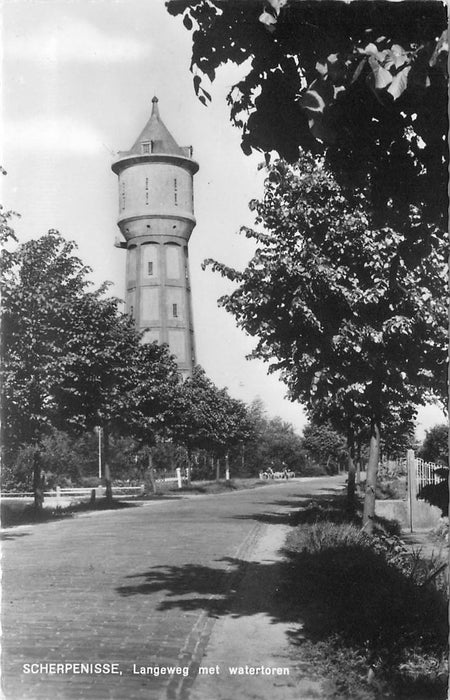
x=127 y=161
x=156 y=216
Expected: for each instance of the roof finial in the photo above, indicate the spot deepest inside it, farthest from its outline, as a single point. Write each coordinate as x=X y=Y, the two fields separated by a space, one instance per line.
x=155 y=110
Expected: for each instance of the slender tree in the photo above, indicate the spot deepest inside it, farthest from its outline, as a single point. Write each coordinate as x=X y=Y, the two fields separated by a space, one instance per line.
x=40 y=281
x=211 y=419
x=325 y=445
x=273 y=443
x=334 y=306
x=70 y=360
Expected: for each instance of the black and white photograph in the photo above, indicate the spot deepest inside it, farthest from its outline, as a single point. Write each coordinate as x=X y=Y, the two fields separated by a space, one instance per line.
x=224 y=350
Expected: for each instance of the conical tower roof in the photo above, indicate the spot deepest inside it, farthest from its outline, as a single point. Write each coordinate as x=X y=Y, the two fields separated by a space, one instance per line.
x=156 y=134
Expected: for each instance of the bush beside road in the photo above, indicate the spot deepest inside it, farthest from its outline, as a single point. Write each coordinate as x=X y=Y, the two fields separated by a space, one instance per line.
x=373 y=608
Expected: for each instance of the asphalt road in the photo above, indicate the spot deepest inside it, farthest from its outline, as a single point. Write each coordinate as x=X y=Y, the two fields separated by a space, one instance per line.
x=136 y=589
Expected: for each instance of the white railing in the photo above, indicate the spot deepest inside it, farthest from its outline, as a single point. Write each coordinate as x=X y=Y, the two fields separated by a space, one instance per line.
x=427 y=473
x=76 y=493
x=82 y=493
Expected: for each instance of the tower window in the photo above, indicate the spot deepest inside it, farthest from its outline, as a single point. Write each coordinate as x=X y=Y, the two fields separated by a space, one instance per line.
x=123 y=195
x=149 y=269
x=175 y=310
x=146 y=190
x=175 y=192
x=131 y=310
x=146 y=147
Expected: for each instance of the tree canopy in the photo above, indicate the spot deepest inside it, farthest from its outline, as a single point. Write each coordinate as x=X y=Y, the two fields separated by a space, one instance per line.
x=41 y=281
x=70 y=359
x=210 y=419
x=334 y=307
x=435 y=445
x=273 y=443
x=325 y=446
x=365 y=82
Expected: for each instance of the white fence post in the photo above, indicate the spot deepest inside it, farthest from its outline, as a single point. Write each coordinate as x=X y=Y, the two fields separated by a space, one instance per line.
x=58 y=495
x=180 y=482
x=412 y=487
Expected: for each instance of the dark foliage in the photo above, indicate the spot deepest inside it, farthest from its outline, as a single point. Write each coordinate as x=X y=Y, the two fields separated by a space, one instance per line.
x=366 y=82
x=435 y=445
x=437 y=494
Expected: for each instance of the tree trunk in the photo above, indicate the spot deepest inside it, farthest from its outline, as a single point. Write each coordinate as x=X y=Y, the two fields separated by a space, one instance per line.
x=108 y=484
x=448 y=413
x=227 y=467
x=358 y=465
x=351 y=474
x=188 y=467
x=151 y=473
x=37 y=481
x=371 y=479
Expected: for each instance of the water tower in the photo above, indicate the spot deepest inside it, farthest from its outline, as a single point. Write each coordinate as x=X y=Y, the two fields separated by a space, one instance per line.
x=156 y=218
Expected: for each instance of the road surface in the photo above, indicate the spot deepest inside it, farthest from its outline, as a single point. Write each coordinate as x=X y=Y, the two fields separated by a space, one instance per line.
x=122 y=604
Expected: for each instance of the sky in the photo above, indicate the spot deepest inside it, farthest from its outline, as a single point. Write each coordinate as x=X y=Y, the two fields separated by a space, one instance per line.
x=78 y=79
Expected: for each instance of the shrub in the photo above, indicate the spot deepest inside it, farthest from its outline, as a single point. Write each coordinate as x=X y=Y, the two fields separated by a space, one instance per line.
x=394 y=488
x=437 y=494
x=90 y=482
x=379 y=601
x=314 y=469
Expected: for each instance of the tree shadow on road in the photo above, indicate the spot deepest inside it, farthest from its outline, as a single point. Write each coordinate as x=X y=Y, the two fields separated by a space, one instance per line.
x=4 y=536
x=14 y=514
x=215 y=587
x=307 y=508
x=212 y=585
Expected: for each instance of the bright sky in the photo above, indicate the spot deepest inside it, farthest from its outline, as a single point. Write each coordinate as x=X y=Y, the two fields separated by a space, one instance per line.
x=78 y=78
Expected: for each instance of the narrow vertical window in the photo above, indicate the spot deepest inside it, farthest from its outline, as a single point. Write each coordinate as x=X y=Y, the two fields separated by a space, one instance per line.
x=146 y=190
x=123 y=195
x=131 y=310
x=150 y=269
x=175 y=310
x=175 y=192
